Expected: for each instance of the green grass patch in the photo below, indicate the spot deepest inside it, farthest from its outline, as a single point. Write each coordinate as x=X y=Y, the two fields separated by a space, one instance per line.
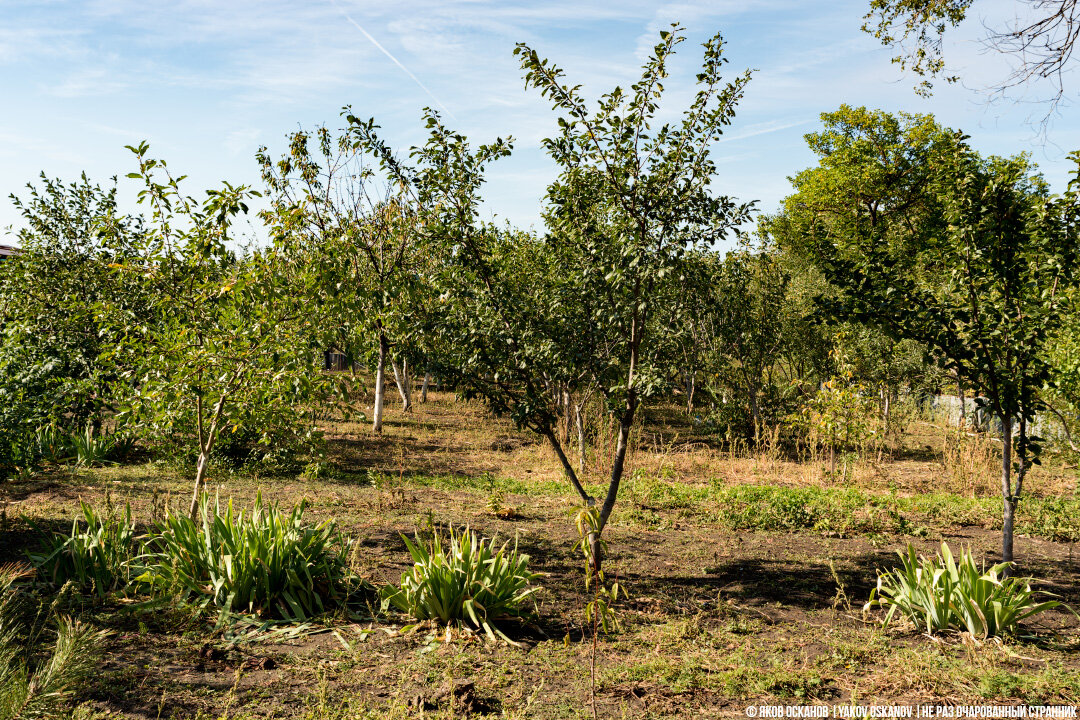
x=855 y=511
x=743 y=681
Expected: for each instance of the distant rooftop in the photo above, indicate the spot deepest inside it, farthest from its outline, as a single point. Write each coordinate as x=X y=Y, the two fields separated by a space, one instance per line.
x=7 y=250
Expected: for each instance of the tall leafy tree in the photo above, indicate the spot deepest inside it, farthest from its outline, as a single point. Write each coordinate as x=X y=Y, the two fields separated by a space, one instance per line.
x=1009 y=254
x=51 y=370
x=231 y=351
x=747 y=294
x=356 y=239
x=631 y=201
x=982 y=288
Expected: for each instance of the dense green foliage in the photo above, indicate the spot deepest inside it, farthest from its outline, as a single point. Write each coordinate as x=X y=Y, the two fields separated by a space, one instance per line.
x=52 y=341
x=922 y=237
x=231 y=350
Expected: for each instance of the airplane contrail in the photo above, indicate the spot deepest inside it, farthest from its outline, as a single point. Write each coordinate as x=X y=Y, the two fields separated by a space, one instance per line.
x=397 y=62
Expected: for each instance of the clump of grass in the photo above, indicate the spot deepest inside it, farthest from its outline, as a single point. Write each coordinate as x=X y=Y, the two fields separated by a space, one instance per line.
x=267 y=563
x=96 y=555
x=98 y=448
x=940 y=593
x=37 y=679
x=970 y=461
x=466 y=580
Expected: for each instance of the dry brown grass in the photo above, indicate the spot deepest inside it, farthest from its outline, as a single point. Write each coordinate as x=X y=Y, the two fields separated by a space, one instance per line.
x=446 y=436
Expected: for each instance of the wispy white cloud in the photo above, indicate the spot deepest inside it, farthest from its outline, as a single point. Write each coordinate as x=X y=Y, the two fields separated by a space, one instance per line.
x=207 y=80
x=88 y=82
x=397 y=62
x=770 y=126
x=242 y=142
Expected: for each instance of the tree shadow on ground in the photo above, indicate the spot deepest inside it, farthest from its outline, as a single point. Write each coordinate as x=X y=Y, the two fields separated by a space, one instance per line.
x=402 y=454
x=810 y=585
x=762 y=581
x=17 y=536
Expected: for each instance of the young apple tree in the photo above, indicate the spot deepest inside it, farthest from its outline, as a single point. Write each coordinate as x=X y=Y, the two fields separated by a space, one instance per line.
x=230 y=349
x=631 y=201
x=356 y=239
x=530 y=316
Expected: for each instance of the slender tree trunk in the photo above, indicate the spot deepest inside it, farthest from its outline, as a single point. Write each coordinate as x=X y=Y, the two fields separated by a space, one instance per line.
x=755 y=410
x=204 y=461
x=626 y=422
x=691 y=386
x=1007 y=490
x=963 y=402
x=547 y=432
x=579 y=421
x=424 y=387
x=566 y=407
x=380 y=383
x=887 y=407
x=206 y=442
x=200 y=477
x=401 y=377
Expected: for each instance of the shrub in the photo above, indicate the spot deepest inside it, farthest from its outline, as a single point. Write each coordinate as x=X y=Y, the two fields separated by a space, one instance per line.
x=267 y=563
x=1054 y=518
x=465 y=581
x=37 y=681
x=271 y=450
x=19 y=457
x=768 y=508
x=940 y=593
x=96 y=555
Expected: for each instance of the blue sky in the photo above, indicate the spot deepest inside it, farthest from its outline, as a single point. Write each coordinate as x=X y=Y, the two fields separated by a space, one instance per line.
x=208 y=82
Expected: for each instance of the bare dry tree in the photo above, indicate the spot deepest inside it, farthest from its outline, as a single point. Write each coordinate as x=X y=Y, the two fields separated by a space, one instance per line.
x=1039 y=40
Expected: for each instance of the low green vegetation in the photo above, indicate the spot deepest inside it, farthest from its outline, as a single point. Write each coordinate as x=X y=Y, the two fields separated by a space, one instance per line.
x=943 y=593
x=44 y=655
x=267 y=562
x=465 y=580
x=841 y=510
x=96 y=556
